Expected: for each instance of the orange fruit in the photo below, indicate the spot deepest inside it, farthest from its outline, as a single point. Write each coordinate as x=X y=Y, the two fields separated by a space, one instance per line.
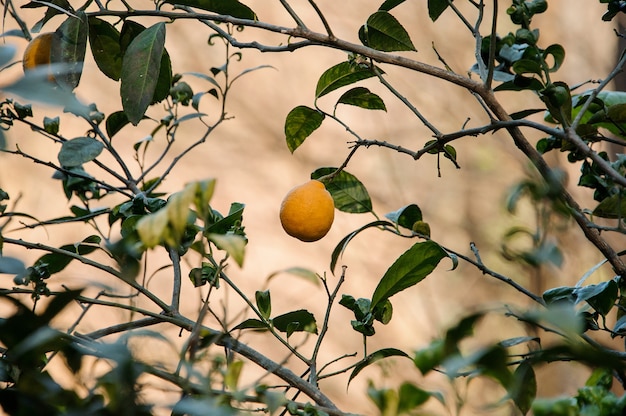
x=308 y=211
x=37 y=52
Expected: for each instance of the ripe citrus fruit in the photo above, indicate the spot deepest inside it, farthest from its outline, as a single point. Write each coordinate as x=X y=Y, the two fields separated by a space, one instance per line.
x=37 y=53
x=308 y=211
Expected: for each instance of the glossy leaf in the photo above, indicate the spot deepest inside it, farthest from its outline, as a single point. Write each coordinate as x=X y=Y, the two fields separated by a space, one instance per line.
x=601 y=297
x=68 y=53
x=296 y=321
x=348 y=193
x=384 y=32
x=300 y=123
x=340 y=248
x=406 y=216
x=558 y=55
x=252 y=324
x=436 y=8
x=227 y=7
x=116 y=122
x=362 y=97
x=340 y=75
x=390 y=4
x=140 y=71
x=264 y=303
x=226 y=224
x=376 y=356
x=408 y=270
x=104 y=40
x=81 y=150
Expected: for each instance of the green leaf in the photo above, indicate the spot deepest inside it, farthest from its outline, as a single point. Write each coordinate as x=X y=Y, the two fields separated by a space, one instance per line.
x=436 y=8
x=340 y=248
x=376 y=356
x=410 y=396
x=140 y=71
x=303 y=273
x=164 y=82
x=116 y=122
x=233 y=244
x=81 y=150
x=523 y=389
x=558 y=54
x=69 y=51
x=427 y=358
x=228 y=7
x=362 y=97
x=600 y=297
x=226 y=224
x=56 y=262
x=252 y=324
x=612 y=207
x=51 y=125
x=349 y=194
x=264 y=303
x=296 y=321
x=408 y=270
x=559 y=294
x=104 y=40
x=390 y=4
x=383 y=32
x=340 y=75
x=300 y=123
x=406 y=216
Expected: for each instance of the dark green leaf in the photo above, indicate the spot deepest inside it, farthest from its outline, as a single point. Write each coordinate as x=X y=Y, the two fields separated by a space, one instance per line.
x=520 y=83
x=140 y=71
x=348 y=193
x=50 y=12
x=436 y=8
x=69 y=51
x=228 y=7
x=226 y=224
x=406 y=216
x=383 y=32
x=115 y=122
x=408 y=270
x=252 y=324
x=339 y=249
x=300 y=123
x=81 y=150
x=558 y=54
x=612 y=207
x=376 y=356
x=559 y=294
x=296 y=321
x=511 y=342
x=527 y=66
x=164 y=82
x=362 y=97
x=264 y=303
x=523 y=389
x=519 y=115
x=390 y=4
x=601 y=297
x=340 y=75
x=104 y=40
x=56 y=262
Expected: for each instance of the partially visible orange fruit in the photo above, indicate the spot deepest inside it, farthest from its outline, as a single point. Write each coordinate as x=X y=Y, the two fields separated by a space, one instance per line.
x=38 y=51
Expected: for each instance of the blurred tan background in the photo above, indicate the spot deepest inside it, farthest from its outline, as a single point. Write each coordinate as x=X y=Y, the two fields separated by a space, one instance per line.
x=252 y=164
